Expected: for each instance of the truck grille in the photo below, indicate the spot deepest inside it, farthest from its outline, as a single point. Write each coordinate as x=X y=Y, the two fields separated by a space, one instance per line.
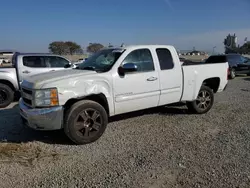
x=27 y=96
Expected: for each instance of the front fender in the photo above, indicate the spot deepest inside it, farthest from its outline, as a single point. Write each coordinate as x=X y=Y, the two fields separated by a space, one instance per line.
x=80 y=89
x=9 y=77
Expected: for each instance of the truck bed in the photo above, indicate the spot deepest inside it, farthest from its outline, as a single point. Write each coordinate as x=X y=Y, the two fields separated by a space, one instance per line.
x=195 y=74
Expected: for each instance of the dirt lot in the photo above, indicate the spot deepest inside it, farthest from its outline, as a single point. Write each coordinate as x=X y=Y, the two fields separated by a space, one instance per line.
x=155 y=148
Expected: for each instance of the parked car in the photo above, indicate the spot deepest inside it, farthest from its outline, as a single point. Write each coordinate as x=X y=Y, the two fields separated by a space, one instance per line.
x=238 y=64
x=116 y=81
x=76 y=64
x=23 y=66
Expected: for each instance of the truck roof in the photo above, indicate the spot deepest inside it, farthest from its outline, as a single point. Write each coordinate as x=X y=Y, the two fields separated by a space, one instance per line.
x=36 y=54
x=131 y=47
x=147 y=46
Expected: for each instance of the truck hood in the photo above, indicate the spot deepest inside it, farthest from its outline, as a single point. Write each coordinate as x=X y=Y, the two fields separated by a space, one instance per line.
x=38 y=80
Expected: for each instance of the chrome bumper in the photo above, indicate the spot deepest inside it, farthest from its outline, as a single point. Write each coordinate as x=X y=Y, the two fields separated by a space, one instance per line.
x=42 y=118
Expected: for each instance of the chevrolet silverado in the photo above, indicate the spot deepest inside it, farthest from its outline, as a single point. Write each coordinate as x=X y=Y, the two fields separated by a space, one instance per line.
x=114 y=81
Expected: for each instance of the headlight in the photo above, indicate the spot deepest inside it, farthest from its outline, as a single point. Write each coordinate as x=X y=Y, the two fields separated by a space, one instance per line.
x=46 y=97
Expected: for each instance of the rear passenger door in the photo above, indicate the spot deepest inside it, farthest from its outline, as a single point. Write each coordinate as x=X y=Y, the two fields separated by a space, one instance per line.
x=170 y=76
x=140 y=89
x=32 y=65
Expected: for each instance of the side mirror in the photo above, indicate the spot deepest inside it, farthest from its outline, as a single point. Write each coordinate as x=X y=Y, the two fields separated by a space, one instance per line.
x=128 y=67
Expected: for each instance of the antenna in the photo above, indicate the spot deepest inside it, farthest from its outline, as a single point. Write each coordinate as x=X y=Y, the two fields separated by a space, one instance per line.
x=122 y=45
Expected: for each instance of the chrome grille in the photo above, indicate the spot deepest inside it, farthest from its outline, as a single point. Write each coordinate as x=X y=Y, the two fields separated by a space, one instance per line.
x=27 y=96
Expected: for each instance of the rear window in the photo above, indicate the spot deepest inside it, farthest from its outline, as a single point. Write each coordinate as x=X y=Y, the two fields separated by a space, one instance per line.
x=217 y=59
x=165 y=58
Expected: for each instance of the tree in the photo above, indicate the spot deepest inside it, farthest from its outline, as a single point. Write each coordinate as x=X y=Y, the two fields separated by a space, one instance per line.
x=64 y=48
x=58 y=47
x=72 y=47
x=94 y=47
x=245 y=49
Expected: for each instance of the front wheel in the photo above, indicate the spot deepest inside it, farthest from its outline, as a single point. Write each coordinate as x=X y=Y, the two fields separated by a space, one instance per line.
x=85 y=122
x=6 y=95
x=204 y=101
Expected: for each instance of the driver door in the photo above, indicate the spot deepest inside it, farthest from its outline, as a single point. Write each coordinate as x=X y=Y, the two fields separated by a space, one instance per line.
x=140 y=89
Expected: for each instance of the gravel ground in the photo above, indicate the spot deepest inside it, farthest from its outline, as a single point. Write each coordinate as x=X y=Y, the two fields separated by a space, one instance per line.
x=155 y=148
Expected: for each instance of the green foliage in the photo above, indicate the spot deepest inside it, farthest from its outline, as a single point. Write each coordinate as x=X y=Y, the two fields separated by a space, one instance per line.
x=57 y=47
x=94 y=47
x=245 y=49
x=64 y=48
x=72 y=47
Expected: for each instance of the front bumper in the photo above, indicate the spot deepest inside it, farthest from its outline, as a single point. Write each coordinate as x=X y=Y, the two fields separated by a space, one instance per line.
x=42 y=118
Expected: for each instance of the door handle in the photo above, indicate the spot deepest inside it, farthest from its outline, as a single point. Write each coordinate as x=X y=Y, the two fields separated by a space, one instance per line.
x=52 y=70
x=26 y=72
x=152 y=79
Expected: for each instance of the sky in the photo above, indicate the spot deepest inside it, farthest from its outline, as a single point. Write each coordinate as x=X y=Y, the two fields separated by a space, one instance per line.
x=30 y=25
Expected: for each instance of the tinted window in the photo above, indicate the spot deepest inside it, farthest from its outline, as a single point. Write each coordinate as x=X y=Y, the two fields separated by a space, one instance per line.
x=165 y=59
x=142 y=58
x=217 y=59
x=34 y=61
x=54 y=61
x=233 y=59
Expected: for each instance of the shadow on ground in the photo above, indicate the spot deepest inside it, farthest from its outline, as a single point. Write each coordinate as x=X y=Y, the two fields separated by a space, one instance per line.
x=13 y=131
x=247 y=79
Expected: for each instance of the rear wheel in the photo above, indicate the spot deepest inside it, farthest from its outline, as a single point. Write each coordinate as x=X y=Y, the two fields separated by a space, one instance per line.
x=204 y=101
x=232 y=74
x=6 y=95
x=85 y=122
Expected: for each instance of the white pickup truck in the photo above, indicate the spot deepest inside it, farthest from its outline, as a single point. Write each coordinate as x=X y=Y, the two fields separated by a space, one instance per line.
x=23 y=66
x=115 y=81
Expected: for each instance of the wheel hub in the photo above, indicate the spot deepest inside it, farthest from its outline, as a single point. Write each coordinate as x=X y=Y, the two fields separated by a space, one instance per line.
x=203 y=100
x=88 y=123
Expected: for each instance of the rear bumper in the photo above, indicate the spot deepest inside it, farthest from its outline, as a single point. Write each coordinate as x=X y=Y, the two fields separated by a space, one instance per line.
x=42 y=119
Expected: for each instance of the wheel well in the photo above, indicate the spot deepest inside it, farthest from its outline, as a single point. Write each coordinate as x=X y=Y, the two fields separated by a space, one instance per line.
x=99 y=98
x=212 y=83
x=8 y=83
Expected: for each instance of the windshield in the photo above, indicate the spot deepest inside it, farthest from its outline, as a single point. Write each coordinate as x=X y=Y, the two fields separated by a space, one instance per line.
x=102 y=61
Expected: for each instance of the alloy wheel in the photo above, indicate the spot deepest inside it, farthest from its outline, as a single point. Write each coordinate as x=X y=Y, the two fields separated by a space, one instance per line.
x=88 y=123
x=203 y=100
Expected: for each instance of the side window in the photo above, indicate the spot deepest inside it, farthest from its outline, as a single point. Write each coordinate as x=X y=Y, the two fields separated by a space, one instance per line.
x=142 y=58
x=54 y=61
x=165 y=58
x=34 y=61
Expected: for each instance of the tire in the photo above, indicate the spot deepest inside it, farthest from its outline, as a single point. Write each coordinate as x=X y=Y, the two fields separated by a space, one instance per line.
x=232 y=74
x=80 y=124
x=6 y=95
x=198 y=106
